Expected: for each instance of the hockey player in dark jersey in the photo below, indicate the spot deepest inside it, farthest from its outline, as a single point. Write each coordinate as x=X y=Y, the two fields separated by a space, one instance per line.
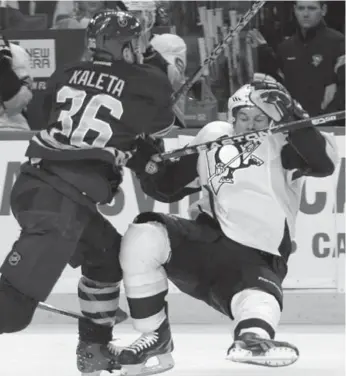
x=233 y=255
x=96 y=113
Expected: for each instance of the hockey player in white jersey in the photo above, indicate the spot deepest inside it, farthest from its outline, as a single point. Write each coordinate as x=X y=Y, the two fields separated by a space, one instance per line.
x=15 y=86
x=173 y=49
x=233 y=255
x=168 y=52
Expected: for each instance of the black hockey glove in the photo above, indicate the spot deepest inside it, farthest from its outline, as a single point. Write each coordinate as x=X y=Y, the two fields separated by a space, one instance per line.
x=5 y=55
x=141 y=162
x=274 y=100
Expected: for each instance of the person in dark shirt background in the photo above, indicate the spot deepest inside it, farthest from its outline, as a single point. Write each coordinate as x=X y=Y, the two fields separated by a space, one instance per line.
x=311 y=63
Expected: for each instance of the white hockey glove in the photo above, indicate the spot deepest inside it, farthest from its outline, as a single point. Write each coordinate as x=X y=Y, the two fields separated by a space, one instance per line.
x=274 y=99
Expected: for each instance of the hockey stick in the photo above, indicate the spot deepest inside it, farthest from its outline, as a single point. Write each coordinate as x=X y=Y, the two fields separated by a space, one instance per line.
x=244 y=20
x=50 y=308
x=251 y=136
x=120 y=315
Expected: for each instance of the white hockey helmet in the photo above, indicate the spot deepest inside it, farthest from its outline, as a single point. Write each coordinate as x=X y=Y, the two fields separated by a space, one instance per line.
x=241 y=98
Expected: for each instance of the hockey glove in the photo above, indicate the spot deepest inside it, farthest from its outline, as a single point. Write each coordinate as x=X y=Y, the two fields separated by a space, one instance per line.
x=5 y=54
x=274 y=100
x=141 y=161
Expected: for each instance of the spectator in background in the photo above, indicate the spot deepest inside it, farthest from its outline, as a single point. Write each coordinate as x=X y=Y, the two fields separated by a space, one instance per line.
x=15 y=86
x=310 y=63
x=77 y=14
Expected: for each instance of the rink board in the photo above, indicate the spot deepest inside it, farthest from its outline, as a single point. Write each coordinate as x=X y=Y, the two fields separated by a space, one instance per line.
x=316 y=275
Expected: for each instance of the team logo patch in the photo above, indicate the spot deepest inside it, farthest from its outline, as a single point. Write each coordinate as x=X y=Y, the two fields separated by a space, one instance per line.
x=128 y=55
x=180 y=65
x=14 y=258
x=91 y=43
x=151 y=168
x=227 y=160
x=122 y=21
x=317 y=60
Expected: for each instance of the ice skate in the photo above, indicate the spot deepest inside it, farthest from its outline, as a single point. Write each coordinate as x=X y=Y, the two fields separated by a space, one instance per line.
x=252 y=349
x=158 y=344
x=93 y=358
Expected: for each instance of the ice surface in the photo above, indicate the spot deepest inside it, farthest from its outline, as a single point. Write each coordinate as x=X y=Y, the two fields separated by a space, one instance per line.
x=199 y=351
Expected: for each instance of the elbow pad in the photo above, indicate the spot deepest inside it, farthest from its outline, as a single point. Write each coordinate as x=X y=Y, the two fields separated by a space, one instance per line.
x=10 y=84
x=14 y=94
x=306 y=151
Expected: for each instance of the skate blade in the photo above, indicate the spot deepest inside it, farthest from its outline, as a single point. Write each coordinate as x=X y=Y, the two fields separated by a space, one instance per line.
x=275 y=357
x=165 y=363
x=96 y=373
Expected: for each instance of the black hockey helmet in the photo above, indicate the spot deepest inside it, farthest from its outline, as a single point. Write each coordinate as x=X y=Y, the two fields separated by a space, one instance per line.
x=118 y=27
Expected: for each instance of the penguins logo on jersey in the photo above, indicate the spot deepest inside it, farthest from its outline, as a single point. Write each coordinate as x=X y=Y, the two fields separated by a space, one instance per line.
x=227 y=160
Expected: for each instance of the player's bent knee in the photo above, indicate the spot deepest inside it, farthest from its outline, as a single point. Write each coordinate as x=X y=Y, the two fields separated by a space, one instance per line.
x=144 y=246
x=16 y=310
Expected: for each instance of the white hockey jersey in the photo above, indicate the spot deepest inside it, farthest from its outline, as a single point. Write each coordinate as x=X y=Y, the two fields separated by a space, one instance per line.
x=21 y=66
x=248 y=190
x=173 y=49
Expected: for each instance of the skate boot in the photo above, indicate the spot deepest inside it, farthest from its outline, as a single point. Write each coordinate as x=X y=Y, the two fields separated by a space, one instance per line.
x=95 y=352
x=252 y=349
x=93 y=358
x=158 y=344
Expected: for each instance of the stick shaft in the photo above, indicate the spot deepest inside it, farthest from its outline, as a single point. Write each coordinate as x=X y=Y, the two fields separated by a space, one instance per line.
x=50 y=308
x=219 y=49
x=251 y=136
x=120 y=316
